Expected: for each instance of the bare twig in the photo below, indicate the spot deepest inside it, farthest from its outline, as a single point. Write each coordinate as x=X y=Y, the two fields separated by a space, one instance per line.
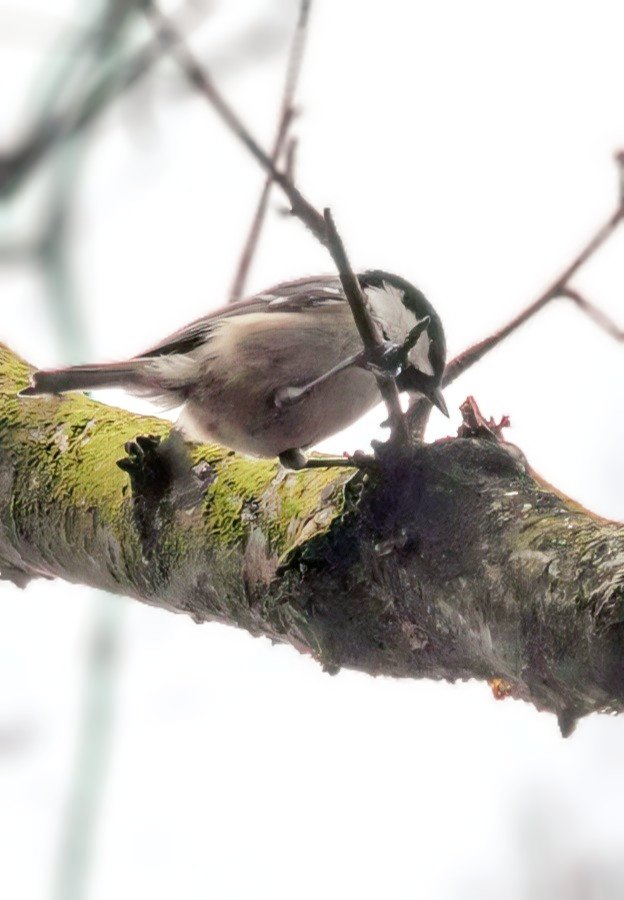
x=322 y=227
x=418 y=413
x=106 y=41
x=560 y=287
x=286 y=115
x=365 y=326
x=253 y=236
x=594 y=312
x=19 y=163
x=200 y=78
x=290 y=158
x=619 y=160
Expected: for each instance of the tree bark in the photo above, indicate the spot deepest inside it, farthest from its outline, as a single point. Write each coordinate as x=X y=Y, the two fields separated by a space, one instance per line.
x=453 y=561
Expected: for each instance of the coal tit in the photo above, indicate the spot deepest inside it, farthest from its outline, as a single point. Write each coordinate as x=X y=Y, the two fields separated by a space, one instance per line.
x=279 y=371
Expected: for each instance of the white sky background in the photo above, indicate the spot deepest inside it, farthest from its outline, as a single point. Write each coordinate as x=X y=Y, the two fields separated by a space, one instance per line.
x=467 y=147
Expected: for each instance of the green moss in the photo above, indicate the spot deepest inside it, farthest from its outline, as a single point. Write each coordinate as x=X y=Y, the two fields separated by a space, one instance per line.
x=285 y=506
x=66 y=449
x=14 y=371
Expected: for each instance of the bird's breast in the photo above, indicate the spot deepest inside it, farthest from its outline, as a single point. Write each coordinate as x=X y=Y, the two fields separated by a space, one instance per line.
x=250 y=361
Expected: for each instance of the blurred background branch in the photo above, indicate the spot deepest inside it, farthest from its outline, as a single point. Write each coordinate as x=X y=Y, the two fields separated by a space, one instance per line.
x=78 y=92
x=96 y=64
x=287 y=113
x=217 y=692
x=93 y=56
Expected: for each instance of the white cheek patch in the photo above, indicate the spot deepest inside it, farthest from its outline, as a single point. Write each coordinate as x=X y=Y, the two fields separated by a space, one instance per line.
x=385 y=305
x=396 y=321
x=419 y=355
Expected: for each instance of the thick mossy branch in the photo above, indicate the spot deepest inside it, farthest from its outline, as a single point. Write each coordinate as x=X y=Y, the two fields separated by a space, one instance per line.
x=67 y=510
x=453 y=562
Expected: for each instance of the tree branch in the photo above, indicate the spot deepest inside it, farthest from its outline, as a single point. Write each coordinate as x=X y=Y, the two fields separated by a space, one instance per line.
x=417 y=415
x=600 y=318
x=199 y=77
x=322 y=227
x=560 y=287
x=366 y=329
x=16 y=165
x=453 y=562
x=286 y=114
x=54 y=130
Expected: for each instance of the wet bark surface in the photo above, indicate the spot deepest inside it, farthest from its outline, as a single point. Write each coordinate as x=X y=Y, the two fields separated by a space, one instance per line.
x=453 y=561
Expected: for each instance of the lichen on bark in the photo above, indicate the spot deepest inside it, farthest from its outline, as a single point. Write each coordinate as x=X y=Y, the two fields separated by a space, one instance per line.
x=452 y=561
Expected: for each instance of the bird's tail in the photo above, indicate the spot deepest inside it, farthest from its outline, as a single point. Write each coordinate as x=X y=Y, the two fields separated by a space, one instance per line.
x=84 y=378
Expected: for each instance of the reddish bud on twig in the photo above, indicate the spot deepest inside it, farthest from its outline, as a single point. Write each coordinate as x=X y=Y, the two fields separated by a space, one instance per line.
x=475 y=424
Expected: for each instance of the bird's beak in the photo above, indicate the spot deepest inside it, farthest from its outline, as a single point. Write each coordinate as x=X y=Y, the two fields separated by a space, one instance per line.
x=438 y=400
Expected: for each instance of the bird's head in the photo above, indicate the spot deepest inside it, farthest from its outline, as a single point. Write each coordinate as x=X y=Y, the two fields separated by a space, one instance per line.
x=401 y=310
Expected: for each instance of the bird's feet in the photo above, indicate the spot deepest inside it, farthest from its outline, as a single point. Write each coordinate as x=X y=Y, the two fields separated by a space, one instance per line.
x=296 y=460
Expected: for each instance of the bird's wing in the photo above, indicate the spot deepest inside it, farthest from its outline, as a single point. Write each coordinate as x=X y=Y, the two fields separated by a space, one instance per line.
x=291 y=296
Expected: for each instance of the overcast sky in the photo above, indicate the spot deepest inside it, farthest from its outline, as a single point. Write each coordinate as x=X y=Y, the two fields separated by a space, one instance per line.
x=469 y=148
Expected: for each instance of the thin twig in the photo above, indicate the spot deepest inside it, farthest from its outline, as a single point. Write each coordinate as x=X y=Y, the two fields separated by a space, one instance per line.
x=290 y=158
x=365 y=326
x=109 y=39
x=16 y=165
x=418 y=413
x=594 y=312
x=286 y=114
x=469 y=357
x=19 y=163
x=253 y=236
x=322 y=227
x=199 y=77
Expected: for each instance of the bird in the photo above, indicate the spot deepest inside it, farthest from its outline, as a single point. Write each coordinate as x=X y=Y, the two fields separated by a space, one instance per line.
x=274 y=374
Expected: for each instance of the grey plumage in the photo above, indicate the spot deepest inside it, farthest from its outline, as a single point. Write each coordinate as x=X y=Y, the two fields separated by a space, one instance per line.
x=79 y=378
x=227 y=368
